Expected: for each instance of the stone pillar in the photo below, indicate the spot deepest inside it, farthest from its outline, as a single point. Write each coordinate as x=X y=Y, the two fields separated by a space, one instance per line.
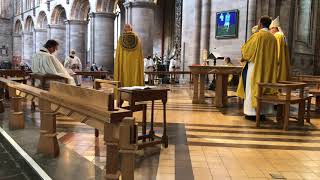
x=17 y=45
x=252 y=21
x=40 y=37
x=58 y=33
x=17 y=49
x=197 y=32
x=102 y=39
x=140 y=14
x=76 y=34
x=27 y=47
x=205 y=25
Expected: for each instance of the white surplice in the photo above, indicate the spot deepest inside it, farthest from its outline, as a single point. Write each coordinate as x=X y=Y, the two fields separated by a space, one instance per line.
x=148 y=67
x=45 y=63
x=73 y=65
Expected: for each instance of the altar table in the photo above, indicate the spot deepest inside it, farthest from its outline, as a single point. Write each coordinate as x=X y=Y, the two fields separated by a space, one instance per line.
x=199 y=73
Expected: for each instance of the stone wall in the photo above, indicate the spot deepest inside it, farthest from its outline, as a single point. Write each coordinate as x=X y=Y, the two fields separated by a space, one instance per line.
x=224 y=47
x=169 y=27
x=228 y=47
x=5 y=39
x=187 y=44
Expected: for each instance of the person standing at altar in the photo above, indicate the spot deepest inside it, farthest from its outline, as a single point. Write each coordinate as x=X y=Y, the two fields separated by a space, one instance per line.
x=73 y=64
x=283 y=50
x=129 y=65
x=261 y=54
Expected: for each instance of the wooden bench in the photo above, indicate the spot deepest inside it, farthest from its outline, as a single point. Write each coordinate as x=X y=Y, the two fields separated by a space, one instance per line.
x=45 y=78
x=283 y=100
x=88 y=106
x=44 y=81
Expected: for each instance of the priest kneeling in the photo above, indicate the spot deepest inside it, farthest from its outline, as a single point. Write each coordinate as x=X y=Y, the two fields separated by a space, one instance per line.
x=44 y=62
x=260 y=53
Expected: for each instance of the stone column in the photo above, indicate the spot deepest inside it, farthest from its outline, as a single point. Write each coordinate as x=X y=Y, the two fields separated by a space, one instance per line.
x=58 y=33
x=27 y=47
x=40 y=37
x=205 y=25
x=76 y=34
x=17 y=45
x=252 y=21
x=140 y=14
x=102 y=39
x=17 y=48
x=197 y=32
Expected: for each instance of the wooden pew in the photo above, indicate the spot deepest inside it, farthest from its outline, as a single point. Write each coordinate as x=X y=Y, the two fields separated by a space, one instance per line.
x=14 y=75
x=109 y=87
x=94 y=74
x=174 y=73
x=44 y=78
x=88 y=106
x=282 y=100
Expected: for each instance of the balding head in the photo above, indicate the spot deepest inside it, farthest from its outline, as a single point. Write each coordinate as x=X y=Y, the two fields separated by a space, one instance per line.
x=127 y=28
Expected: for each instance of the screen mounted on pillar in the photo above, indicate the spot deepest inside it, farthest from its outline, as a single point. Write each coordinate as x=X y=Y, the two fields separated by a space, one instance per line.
x=227 y=24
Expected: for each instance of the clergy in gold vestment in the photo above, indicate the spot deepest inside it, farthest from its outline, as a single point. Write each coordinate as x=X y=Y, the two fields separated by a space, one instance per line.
x=129 y=64
x=260 y=53
x=283 y=51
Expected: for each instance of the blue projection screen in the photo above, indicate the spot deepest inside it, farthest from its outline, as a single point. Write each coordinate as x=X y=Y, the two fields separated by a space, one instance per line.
x=227 y=24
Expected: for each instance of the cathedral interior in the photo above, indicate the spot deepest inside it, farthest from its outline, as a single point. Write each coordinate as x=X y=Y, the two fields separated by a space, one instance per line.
x=195 y=120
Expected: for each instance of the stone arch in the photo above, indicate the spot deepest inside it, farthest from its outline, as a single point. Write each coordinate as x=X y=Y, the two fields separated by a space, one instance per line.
x=107 y=5
x=80 y=10
x=57 y=30
x=18 y=27
x=58 y=15
x=42 y=21
x=29 y=25
x=41 y=33
x=28 y=46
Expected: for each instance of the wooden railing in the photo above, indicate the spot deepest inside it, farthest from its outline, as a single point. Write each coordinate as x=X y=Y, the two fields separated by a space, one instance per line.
x=88 y=106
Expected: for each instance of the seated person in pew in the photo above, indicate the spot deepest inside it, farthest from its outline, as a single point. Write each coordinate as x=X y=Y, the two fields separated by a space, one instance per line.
x=227 y=62
x=44 y=62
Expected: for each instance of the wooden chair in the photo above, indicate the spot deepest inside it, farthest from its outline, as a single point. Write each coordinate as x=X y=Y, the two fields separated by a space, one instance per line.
x=283 y=100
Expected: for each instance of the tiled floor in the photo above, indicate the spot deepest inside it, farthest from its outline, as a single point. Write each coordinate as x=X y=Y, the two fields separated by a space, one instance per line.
x=210 y=143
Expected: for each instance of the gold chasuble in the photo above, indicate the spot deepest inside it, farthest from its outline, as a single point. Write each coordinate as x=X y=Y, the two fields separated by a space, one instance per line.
x=283 y=55
x=129 y=67
x=260 y=49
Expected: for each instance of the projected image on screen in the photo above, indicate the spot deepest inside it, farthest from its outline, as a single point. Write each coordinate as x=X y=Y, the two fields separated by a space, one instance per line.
x=227 y=24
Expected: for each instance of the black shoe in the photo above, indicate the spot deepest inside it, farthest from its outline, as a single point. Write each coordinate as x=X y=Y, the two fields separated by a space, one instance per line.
x=250 y=118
